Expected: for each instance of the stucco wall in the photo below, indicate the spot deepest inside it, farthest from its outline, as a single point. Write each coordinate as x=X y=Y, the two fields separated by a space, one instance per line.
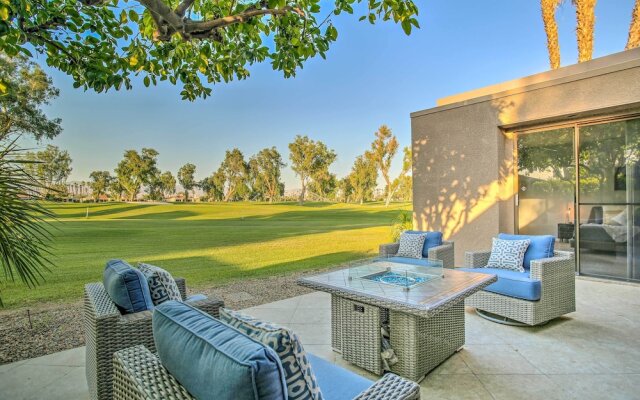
x=463 y=160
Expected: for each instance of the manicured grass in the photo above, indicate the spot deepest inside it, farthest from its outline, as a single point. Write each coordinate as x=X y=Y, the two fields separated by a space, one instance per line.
x=208 y=244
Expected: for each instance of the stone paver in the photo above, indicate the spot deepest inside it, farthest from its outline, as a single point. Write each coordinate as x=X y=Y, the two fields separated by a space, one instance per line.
x=593 y=353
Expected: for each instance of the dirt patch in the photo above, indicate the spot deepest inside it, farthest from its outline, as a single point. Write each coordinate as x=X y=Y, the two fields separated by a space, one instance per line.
x=51 y=328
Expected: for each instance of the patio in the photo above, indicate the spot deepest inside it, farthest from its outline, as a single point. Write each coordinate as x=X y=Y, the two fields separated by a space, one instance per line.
x=590 y=354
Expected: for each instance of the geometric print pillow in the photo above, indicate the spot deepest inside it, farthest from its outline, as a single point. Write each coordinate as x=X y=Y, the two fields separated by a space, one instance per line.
x=301 y=382
x=161 y=284
x=508 y=254
x=411 y=245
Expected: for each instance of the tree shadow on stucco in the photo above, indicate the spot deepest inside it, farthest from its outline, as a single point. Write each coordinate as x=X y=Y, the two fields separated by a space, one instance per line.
x=450 y=169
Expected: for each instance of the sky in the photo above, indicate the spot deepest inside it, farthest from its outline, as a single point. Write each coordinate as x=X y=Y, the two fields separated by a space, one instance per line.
x=373 y=75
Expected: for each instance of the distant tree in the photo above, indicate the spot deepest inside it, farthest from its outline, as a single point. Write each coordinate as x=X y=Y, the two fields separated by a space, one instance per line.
x=154 y=185
x=324 y=185
x=135 y=170
x=308 y=159
x=402 y=186
x=383 y=150
x=214 y=185
x=586 y=19
x=234 y=169
x=115 y=190
x=363 y=178
x=187 y=179
x=268 y=165
x=24 y=89
x=344 y=189
x=52 y=167
x=549 y=8
x=100 y=182
x=168 y=183
x=633 y=40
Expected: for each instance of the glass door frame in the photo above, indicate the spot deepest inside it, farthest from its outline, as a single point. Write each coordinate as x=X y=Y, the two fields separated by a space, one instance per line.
x=575 y=124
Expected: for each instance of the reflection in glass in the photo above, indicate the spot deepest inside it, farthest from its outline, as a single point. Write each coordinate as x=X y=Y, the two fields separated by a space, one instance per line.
x=546 y=183
x=609 y=186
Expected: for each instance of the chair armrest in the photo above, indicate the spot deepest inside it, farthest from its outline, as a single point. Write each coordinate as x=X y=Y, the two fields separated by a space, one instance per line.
x=444 y=252
x=98 y=304
x=476 y=259
x=139 y=375
x=182 y=287
x=210 y=305
x=391 y=387
x=389 y=249
x=561 y=265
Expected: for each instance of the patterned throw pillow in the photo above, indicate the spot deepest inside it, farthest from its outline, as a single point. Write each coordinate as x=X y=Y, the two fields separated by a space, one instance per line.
x=301 y=382
x=411 y=245
x=161 y=284
x=508 y=254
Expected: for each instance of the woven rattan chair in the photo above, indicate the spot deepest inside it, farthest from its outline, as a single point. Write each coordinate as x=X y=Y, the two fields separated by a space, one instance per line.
x=444 y=252
x=139 y=375
x=107 y=331
x=557 y=297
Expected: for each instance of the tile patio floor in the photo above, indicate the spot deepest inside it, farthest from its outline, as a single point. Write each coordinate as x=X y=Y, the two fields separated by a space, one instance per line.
x=593 y=353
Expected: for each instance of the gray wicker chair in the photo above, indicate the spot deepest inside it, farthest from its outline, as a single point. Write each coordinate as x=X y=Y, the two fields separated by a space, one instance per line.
x=139 y=375
x=558 y=293
x=444 y=252
x=107 y=331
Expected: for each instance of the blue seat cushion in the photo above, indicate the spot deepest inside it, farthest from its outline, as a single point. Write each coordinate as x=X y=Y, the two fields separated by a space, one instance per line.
x=433 y=239
x=213 y=360
x=510 y=283
x=336 y=382
x=540 y=246
x=409 y=260
x=127 y=287
x=196 y=297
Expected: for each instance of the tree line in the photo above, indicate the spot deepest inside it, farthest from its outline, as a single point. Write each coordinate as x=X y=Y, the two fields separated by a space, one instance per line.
x=238 y=178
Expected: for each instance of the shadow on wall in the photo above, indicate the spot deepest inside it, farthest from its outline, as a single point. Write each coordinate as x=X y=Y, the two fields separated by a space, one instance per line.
x=468 y=181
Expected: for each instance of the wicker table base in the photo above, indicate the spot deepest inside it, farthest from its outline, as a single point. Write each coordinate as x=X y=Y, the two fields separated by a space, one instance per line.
x=420 y=343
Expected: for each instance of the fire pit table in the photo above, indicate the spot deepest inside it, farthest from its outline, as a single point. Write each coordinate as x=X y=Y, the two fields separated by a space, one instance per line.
x=421 y=307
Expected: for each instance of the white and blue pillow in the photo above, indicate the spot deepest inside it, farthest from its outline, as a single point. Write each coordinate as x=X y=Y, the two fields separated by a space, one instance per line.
x=301 y=382
x=162 y=286
x=411 y=245
x=508 y=254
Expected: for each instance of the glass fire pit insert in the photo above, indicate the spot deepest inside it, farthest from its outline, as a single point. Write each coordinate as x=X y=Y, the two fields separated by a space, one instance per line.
x=405 y=276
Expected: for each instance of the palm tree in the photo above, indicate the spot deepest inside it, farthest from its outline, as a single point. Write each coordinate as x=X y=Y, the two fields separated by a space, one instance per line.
x=24 y=234
x=585 y=17
x=634 y=28
x=551 y=29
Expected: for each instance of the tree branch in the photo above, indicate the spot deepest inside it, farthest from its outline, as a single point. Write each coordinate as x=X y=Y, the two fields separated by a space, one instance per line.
x=183 y=7
x=205 y=26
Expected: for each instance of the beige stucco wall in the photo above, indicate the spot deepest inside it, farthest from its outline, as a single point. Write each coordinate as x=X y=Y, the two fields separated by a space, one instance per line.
x=463 y=155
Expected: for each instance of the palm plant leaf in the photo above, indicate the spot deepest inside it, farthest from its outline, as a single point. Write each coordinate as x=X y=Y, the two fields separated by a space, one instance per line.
x=25 y=236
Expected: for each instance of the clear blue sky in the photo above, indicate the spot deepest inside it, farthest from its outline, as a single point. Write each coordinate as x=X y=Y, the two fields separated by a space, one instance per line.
x=373 y=75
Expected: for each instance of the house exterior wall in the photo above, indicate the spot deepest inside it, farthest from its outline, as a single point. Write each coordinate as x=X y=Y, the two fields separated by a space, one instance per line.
x=463 y=151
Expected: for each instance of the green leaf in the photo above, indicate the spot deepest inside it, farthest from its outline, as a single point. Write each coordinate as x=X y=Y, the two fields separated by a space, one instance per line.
x=133 y=15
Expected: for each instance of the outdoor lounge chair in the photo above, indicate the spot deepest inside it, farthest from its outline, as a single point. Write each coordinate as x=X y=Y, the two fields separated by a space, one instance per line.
x=443 y=252
x=107 y=330
x=546 y=290
x=206 y=358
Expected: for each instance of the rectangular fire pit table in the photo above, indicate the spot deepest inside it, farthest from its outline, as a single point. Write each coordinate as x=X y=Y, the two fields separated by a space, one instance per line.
x=421 y=306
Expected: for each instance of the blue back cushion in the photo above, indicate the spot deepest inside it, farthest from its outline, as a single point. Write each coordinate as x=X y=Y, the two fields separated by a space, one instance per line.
x=213 y=360
x=540 y=246
x=433 y=239
x=127 y=287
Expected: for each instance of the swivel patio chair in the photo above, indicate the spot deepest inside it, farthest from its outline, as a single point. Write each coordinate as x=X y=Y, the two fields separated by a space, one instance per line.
x=434 y=249
x=546 y=290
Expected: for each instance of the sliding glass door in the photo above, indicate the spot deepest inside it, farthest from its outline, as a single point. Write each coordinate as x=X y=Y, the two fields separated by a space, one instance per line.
x=609 y=197
x=603 y=202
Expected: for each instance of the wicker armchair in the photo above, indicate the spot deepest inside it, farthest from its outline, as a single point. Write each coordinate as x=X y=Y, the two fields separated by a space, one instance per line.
x=558 y=294
x=107 y=331
x=139 y=375
x=444 y=252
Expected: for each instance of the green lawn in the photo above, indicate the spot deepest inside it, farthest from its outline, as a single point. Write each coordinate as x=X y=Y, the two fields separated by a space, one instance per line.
x=209 y=244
